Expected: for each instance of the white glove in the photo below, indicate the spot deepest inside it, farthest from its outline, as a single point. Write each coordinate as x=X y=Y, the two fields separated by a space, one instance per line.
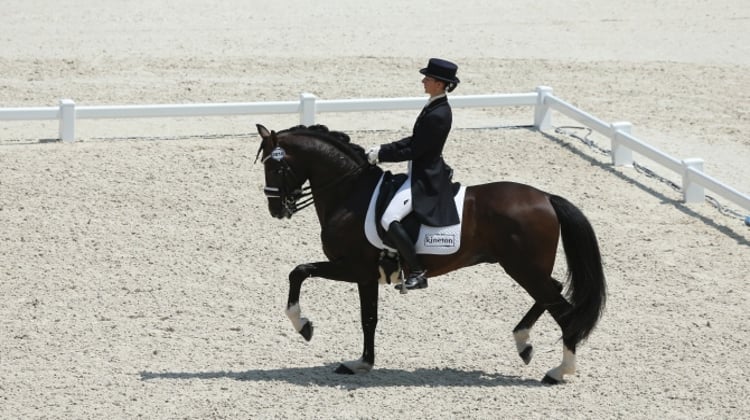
x=372 y=155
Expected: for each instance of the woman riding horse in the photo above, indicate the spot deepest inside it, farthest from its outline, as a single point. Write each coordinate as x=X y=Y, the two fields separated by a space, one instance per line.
x=506 y=223
x=427 y=191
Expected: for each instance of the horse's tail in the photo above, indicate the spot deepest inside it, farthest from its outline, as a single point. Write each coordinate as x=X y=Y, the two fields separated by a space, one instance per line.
x=587 y=289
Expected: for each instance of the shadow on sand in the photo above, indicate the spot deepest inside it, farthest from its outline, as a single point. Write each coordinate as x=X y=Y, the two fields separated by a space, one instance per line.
x=325 y=376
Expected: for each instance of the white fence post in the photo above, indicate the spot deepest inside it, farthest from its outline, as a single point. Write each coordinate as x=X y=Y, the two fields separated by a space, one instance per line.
x=542 y=112
x=691 y=191
x=67 y=120
x=621 y=155
x=307 y=109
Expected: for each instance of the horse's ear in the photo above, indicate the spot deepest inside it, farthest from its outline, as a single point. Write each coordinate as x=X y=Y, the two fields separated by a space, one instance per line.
x=264 y=135
x=263 y=131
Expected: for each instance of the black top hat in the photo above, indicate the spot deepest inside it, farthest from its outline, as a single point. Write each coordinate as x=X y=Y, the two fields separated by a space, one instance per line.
x=442 y=70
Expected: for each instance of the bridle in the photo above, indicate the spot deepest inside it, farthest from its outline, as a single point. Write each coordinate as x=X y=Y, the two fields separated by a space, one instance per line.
x=289 y=197
x=299 y=197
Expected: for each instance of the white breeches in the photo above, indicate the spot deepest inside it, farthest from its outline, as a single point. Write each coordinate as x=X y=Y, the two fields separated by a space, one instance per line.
x=400 y=205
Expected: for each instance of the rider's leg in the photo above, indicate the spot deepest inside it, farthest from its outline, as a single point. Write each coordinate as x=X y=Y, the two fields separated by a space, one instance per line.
x=398 y=208
x=401 y=240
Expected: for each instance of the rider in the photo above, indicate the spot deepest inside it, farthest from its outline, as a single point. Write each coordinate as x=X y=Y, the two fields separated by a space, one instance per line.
x=427 y=191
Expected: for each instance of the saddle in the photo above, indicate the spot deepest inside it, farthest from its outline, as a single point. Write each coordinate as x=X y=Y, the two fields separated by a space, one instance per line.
x=428 y=239
x=389 y=185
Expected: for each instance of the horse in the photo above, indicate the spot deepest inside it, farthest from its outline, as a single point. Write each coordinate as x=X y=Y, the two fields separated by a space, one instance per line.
x=511 y=224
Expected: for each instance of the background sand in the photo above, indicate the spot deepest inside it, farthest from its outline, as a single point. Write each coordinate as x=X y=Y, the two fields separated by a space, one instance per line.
x=144 y=277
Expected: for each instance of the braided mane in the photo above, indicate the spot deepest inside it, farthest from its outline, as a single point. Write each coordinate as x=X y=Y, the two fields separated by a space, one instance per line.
x=337 y=139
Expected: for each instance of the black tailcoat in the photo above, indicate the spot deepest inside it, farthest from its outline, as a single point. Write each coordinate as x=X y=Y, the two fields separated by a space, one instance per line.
x=431 y=189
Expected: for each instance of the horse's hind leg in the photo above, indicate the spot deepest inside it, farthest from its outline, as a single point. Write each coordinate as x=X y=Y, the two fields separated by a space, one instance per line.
x=559 y=311
x=548 y=296
x=522 y=331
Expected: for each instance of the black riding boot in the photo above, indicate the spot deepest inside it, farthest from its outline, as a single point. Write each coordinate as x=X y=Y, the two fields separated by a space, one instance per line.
x=403 y=243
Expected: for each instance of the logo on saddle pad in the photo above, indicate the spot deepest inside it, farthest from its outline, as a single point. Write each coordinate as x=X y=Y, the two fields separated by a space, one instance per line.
x=443 y=240
x=439 y=240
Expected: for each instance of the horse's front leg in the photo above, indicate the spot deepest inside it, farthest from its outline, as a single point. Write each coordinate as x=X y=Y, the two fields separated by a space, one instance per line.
x=368 y=301
x=327 y=269
x=368 y=295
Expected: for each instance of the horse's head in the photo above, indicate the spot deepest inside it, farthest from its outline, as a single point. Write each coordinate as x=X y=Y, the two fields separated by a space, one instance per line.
x=328 y=159
x=283 y=182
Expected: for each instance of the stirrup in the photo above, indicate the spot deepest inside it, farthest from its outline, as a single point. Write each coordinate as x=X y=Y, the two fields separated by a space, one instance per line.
x=415 y=280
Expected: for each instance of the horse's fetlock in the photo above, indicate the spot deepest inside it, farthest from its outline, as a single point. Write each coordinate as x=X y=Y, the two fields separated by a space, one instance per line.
x=294 y=313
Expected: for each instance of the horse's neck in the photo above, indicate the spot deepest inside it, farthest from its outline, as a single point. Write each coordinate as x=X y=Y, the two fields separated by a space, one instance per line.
x=325 y=169
x=331 y=181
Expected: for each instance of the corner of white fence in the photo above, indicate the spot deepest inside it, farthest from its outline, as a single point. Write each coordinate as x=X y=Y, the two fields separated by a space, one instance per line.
x=692 y=192
x=307 y=108
x=67 y=130
x=542 y=111
x=621 y=155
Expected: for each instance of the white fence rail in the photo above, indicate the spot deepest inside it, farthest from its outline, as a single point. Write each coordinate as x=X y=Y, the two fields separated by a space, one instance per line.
x=694 y=181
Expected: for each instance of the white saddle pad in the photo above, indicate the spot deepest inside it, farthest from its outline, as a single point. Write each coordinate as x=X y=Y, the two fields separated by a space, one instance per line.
x=431 y=240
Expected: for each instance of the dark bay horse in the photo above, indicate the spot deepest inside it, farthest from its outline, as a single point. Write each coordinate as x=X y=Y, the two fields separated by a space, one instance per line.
x=514 y=225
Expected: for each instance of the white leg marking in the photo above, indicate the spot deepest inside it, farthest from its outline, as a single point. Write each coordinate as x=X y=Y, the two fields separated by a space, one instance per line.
x=382 y=279
x=567 y=367
x=522 y=339
x=358 y=366
x=294 y=313
x=395 y=277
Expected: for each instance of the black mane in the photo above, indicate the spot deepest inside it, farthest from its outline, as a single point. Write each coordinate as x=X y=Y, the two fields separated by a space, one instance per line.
x=337 y=139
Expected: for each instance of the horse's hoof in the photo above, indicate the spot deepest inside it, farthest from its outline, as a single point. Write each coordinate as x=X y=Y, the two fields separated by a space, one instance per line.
x=344 y=370
x=307 y=331
x=527 y=354
x=354 y=367
x=548 y=380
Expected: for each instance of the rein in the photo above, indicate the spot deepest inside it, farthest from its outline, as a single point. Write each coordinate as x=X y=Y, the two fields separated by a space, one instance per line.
x=306 y=191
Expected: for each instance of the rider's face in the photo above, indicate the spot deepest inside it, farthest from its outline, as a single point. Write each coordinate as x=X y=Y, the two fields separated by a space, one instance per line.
x=433 y=86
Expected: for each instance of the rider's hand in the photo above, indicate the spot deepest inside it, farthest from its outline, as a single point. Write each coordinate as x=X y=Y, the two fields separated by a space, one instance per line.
x=372 y=155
